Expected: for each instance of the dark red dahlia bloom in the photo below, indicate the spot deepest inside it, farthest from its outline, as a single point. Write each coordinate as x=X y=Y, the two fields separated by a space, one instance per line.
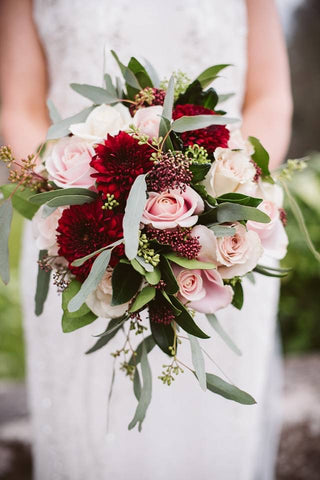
x=209 y=138
x=118 y=161
x=82 y=229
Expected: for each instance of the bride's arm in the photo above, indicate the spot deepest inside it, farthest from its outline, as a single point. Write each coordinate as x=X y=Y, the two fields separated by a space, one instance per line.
x=23 y=78
x=267 y=108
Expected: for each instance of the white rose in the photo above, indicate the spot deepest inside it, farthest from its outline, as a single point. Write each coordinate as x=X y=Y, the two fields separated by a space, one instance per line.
x=99 y=301
x=101 y=121
x=232 y=171
x=45 y=230
x=147 y=120
x=270 y=192
x=237 y=142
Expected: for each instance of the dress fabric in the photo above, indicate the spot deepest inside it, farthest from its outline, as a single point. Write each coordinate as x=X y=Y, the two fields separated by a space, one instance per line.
x=187 y=433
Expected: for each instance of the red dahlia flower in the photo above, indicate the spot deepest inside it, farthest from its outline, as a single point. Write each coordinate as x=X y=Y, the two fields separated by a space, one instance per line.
x=82 y=229
x=211 y=137
x=118 y=161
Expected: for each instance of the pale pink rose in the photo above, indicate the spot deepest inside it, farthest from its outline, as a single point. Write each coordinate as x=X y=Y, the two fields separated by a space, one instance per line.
x=237 y=142
x=232 y=171
x=68 y=163
x=235 y=255
x=203 y=290
x=44 y=229
x=272 y=235
x=99 y=301
x=270 y=192
x=147 y=120
x=173 y=208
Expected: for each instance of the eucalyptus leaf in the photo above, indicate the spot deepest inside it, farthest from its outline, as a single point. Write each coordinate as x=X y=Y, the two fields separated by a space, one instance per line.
x=147 y=266
x=126 y=282
x=109 y=85
x=133 y=212
x=232 y=212
x=81 y=261
x=149 y=344
x=240 y=199
x=216 y=385
x=146 y=392
x=61 y=129
x=216 y=325
x=198 y=361
x=54 y=115
x=137 y=384
x=186 y=263
x=112 y=329
x=138 y=267
x=70 y=324
x=169 y=100
x=91 y=282
x=20 y=199
x=41 y=198
x=71 y=290
x=5 y=222
x=43 y=281
x=152 y=73
x=143 y=298
x=222 y=230
x=210 y=74
x=119 y=321
x=97 y=95
x=69 y=200
x=188 y=123
x=47 y=211
x=185 y=320
x=224 y=97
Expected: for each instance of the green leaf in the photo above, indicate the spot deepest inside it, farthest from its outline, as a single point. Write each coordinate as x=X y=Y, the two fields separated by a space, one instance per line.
x=143 y=298
x=164 y=128
x=240 y=199
x=231 y=392
x=109 y=85
x=198 y=361
x=61 y=129
x=270 y=272
x=133 y=212
x=163 y=335
x=112 y=329
x=168 y=101
x=152 y=73
x=146 y=392
x=199 y=171
x=131 y=80
x=222 y=230
x=186 y=263
x=224 y=97
x=126 y=282
x=223 y=334
x=81 y=261
x=41 y=198
x=5 y=222
x=20 y=199
x=186 y=321
x=232 y=212
x=195 y=95
x=70 y=324
x=137 y=384
x=210 y=74
x=149 y=344
x=97 y=95
x=53 y=112
x=146 y=265
x=168 y=299
x=91 y=282
x=43 y=281
x=71 y=290
x=140 y=73
x=188 y=123
x=168 y=276
x=237 y=300
x=69 y=200
x=153 y=277
x=138 y=267
x=260 y=156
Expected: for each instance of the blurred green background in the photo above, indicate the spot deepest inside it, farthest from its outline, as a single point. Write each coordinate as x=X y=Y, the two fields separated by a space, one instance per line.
x=299 y=309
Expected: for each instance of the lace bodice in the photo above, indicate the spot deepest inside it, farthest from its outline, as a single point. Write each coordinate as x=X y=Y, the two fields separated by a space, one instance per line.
x=172 y=34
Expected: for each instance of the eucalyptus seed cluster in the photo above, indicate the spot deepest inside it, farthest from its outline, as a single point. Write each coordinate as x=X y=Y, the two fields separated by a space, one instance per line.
x=198 y=155
x=181 y=83
x=146 y=252
x=110 y=202
x=292 y=166
x=128 y=368
x=167 y=375
x=6 y=155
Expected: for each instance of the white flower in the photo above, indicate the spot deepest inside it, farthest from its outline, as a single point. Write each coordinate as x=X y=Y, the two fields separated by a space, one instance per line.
x=101 y=121
x=232 y=171
x=99 y=301
x=237 y=142
x=44 y=230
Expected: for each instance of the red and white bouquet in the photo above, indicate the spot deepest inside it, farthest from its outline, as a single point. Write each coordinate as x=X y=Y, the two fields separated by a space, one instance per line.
x=148 y=201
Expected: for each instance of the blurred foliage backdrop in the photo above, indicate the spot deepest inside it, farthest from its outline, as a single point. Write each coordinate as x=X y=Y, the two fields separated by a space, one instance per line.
x=299 y=312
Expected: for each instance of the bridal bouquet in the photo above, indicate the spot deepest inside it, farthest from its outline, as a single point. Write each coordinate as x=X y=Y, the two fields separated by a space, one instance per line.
x=148 y=201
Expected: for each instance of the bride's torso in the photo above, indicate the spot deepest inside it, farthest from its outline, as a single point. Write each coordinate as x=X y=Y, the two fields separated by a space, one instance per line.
x=173 y=34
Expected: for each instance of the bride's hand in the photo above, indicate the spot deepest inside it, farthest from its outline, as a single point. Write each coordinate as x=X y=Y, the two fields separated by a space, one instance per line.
x=23 y=79
x=267 y=107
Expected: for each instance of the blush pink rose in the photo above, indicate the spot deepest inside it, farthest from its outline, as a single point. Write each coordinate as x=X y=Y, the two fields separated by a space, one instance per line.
x=147 y=120
x=272 y=235
x=172 y=208
x=203 y=290
x=68 y=163
x=235 y=255
x=45 y=230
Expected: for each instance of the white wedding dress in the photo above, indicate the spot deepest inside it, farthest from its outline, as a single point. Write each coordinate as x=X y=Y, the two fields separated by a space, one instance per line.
x=187 y=434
